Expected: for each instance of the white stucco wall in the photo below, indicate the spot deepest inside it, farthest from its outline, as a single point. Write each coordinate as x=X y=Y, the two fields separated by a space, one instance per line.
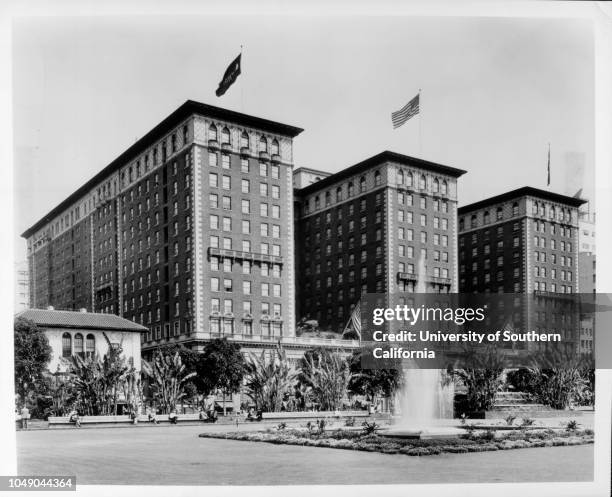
x=129 y=340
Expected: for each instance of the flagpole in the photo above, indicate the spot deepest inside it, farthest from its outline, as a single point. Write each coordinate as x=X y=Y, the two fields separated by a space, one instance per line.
x=241 y=84
x=548 y=169
x=420 y=127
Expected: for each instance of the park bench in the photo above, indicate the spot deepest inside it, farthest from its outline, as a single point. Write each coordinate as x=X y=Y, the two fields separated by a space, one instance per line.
x=63 y=421
x=313 y=415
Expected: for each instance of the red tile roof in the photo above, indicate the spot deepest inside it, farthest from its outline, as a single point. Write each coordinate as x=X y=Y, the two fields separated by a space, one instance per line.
x=82 y=320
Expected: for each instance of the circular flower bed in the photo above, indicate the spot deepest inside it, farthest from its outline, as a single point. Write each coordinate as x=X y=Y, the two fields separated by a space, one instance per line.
x=472 y=442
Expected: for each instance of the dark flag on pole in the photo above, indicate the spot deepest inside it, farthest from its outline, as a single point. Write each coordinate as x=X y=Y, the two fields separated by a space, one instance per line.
x=409 y=110
x=231 y=74
x=548 y=182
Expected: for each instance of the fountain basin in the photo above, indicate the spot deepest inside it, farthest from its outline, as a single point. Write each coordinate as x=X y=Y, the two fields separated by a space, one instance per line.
x=423 y=433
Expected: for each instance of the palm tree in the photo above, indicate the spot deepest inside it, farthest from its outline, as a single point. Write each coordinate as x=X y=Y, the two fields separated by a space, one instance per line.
x=168 y=377
x=269 y=377
x=328 y=375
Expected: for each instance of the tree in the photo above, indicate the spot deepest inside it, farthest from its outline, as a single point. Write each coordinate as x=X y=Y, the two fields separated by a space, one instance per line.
x=168 y=376
x=32 y=354
x=328 y=375
x=221 y=366
x=269 y=378
x=482 y=379
x=373 y=383
x=194 y=387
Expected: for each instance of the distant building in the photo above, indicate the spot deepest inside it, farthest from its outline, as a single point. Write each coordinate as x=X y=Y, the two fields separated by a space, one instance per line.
x=304 y=176
x=524 y=241
x=85 y=334
x=22 y=286
x=587 y=271
x=367 y=227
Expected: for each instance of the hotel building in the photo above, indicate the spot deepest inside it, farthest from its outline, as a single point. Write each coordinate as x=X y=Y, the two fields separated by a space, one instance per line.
x=189 y=232
x=524 y=241
x=369 y=228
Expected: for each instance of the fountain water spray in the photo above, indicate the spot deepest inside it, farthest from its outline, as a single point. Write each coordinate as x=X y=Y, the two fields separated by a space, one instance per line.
x=426 y=398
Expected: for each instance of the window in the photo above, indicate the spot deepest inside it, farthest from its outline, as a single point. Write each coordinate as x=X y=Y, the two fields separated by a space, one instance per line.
x=227 y=182
x=213 y=200
x=225 y=161
x=275 y=147
x=225 y=135
x=66 y=345
x=90 y=345
x=263 y=169
x=78 y=345
x=246 y=206
x=212 y=132
x=213 y=180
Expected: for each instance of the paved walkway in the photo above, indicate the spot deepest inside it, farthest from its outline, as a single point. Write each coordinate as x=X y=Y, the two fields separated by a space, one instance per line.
x=174 y=455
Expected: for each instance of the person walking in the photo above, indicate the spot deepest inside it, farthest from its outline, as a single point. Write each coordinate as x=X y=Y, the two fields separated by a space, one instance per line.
x=25 y=416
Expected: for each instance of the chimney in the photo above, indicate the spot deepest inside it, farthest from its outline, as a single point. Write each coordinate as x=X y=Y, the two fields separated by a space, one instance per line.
x=82 y=309
x=50 y=308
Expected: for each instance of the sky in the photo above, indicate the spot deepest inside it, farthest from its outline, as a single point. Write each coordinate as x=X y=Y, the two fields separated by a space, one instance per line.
x=495 y=93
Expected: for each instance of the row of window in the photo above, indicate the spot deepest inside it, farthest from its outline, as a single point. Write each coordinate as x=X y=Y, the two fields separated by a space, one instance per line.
x=226 y=327
x=408 y=217
x=265 y=210
x=264 y=248
x=127 y=306
x=78 y=346
x=245 y=142
x=227 y=285
x=408 y=200
x=148 y=161
x=226 y=225
x=155 y=332
x=563 y=260
x=540 y=241
x=226 y=265
x=265 y=169
x=247 y=307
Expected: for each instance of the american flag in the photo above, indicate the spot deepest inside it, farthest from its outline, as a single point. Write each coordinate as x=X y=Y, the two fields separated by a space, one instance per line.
x=411 y=109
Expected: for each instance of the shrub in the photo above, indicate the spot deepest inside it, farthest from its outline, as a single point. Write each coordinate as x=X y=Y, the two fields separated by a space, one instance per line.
x=281 y=426
x=571 y=425
x=369 y=428
x=349 y=421
x=510 y=419
x=527 y=422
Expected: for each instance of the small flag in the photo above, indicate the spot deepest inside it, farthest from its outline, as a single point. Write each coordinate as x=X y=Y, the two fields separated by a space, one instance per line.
x=411 y=109
x=578 y=194
x=231 y=74
x=548 y=183
x=354 y=322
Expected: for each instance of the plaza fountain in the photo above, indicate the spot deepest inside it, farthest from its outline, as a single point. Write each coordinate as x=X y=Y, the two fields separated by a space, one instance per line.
x=425 y=402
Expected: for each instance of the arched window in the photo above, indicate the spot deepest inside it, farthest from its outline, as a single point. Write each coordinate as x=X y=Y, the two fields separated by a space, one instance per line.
x=362 y=184
x=244 y=140
x=377 y=178
x=90 y=346
x=534 y=210
x=409 y=179
x=461 y=224
x=327 y=199
x=212 y=132
x=473 y=221
x=553 y=212
x=400 y=177
x=436 y=185
x=351 y=189
x=569 y=216
x=444 y=190
x=66 y=345
x=225 y=135
x=78 y=345
x=422 y=182
x=499 y=214
x=275 y=147
x=263 y=144
x=338 y=194
x=515 y=209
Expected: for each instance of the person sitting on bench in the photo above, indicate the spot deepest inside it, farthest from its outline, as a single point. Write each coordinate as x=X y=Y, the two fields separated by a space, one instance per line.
x=74 y=417
x=172 y=417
